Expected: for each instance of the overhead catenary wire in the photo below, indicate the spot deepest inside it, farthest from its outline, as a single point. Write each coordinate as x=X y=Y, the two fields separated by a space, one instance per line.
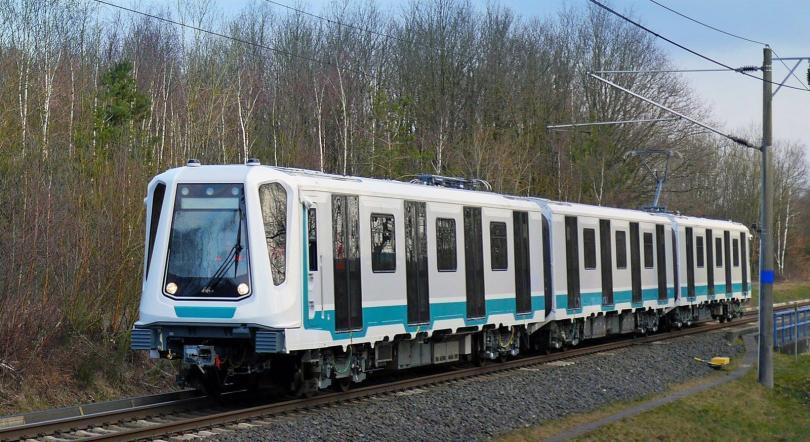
x=691 y=51
x=730 y=34
x=708 y=25
x=672 y=71
x=734 y=138
x=236 y=39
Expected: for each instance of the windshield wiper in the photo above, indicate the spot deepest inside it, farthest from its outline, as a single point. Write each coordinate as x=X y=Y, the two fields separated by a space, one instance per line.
x=233 y=257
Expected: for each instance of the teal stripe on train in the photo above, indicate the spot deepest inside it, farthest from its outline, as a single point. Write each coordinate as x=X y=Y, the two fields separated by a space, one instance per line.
x=398 y=314
x=719 y=289
x=439 y=311
x=205 y=312
x=591 y=299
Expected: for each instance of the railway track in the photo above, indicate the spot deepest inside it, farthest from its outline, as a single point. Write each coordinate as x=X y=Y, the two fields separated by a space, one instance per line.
x=195 y=414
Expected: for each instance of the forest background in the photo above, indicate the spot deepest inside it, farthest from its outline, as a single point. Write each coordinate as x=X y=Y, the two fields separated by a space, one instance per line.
x=96 y=101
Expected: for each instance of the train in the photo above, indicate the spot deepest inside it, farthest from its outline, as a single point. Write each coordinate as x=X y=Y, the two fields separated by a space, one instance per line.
x=255 y=274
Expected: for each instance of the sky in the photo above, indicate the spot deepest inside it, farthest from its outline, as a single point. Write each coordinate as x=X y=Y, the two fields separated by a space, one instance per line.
x=735 y=100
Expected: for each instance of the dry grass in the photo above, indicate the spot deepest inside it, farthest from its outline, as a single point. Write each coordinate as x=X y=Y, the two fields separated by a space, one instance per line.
x=739 y=410
x=80 y=372
x=552 y=428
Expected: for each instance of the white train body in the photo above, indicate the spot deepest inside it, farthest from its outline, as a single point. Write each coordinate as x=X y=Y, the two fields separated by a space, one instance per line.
x=251 y=269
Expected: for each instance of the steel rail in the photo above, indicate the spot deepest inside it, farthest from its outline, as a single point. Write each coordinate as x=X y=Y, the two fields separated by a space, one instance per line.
x=163 y=409
x=39 y=429
x=296 y=405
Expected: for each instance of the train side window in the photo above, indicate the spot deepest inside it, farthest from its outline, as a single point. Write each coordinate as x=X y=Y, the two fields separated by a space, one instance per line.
x=383 y=243
x=648 y=251
x=735 y=252
x=273 y=201
x=497 y=244
x=446 y=244
x=589 y=243
x=312 y=239
x=621 y=249
x=154 y=219
x=718 y=245
x=700 y=253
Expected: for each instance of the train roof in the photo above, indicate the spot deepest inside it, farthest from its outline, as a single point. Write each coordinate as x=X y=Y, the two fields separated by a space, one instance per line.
x=566 y=208
x=313 y=180
x=707 y=222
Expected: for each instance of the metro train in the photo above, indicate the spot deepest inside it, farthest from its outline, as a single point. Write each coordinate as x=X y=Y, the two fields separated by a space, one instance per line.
x=257 y=274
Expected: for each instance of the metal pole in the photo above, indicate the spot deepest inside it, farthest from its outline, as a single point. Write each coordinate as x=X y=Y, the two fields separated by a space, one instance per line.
x=659 y=184
x=766 y=275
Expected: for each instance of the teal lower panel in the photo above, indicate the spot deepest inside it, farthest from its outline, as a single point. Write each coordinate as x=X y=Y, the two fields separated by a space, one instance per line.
x=591 y=299
x=205 y=312
x=398 y=314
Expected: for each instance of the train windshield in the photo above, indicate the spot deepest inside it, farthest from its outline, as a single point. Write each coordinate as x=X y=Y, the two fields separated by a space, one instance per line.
x=208 y=245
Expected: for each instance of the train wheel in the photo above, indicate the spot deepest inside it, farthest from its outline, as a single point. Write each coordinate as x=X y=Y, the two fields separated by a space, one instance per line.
x=343 y=384
x=302 y=385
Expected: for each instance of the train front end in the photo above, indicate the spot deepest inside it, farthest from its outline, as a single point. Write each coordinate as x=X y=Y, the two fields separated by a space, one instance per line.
x=215 y=292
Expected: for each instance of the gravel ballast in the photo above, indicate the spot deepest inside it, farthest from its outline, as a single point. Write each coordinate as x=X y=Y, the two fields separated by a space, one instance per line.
x=484 y=407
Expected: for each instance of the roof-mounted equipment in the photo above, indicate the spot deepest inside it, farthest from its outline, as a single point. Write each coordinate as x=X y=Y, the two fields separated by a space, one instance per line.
x=193 y=162
x=452 y=182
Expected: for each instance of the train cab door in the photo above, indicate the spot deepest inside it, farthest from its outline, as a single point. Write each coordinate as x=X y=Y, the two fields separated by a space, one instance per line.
x=346 y=262
x=314 y=281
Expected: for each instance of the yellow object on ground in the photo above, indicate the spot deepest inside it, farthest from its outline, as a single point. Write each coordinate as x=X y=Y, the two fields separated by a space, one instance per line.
x=716 y=362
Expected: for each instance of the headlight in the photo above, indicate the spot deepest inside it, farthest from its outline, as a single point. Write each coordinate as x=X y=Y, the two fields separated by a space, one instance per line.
x=242 y=289
x=171 y=288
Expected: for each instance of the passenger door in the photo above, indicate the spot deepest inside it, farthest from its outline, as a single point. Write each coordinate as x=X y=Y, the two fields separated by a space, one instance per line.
x=416 y=272
x=474 y=262
x=346 y=262
x=635 y=262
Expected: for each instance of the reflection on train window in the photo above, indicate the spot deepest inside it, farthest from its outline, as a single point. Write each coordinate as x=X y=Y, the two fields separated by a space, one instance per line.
x=383 y=243
x=312 y=229
x=735 y=252
x=446 y=244
x=157 y=206
x=621 y=249
x=700 y=253
x=497 y=244
x=273 y=201
x=648 y=251
x=589 y=242
x=718 y=245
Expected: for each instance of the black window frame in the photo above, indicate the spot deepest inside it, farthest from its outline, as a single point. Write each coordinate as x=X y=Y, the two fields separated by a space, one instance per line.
x=621 y=250
x=589 y=248
x=735 y=252
x=312 y=239
x=375 y=255
x=649 y=250
x=718 y=257
x=503 y=257
x=700 y=251
x=453 y=241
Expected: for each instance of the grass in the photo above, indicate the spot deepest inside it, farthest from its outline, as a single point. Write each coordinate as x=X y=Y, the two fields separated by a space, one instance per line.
x=783 y=292
x=739 y=410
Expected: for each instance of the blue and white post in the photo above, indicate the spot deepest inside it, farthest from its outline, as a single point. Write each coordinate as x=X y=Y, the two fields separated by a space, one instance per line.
x=766 y=275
